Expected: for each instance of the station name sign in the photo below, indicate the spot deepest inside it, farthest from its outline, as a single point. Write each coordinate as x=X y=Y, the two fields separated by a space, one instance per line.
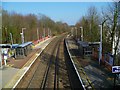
x=115 y=69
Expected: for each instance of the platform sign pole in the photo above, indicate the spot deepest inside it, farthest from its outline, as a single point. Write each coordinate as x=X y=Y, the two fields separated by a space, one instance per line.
x=115 y=70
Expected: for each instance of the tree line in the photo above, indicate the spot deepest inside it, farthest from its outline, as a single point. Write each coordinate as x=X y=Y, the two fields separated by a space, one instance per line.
x=13 y=23
x=109 y=18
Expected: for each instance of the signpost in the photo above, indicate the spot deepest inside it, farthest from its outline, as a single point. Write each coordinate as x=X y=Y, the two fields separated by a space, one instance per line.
x=115 y=70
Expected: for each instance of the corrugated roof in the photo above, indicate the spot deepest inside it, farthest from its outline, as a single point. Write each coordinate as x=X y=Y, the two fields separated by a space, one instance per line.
x=15 y=45
x=25 y=44
x=83 y=44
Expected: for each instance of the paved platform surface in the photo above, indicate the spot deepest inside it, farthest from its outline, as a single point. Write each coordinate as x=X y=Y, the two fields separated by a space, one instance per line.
x=11 y=73
x=6 y=75
x=90 y=70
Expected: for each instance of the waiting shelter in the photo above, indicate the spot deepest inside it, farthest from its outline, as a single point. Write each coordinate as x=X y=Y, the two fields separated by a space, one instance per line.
x=95 y=50
x=85 y=49
x=23 y=50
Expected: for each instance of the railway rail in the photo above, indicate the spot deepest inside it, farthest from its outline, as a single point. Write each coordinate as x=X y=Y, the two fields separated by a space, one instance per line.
x=53 y=69
x=47 y=76
x=45 y=72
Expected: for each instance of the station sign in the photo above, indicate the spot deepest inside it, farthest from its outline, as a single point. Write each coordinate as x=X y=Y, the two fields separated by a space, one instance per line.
x=115 y=69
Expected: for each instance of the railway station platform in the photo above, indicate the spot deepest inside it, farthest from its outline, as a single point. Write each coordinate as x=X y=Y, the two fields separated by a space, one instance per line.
x=15 y=69
x=92 y=74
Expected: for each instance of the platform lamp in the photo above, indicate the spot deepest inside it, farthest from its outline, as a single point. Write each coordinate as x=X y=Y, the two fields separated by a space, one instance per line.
x=81 y=33
x=11 y=38
x=100 y=48
x=38 y=34
x=76 y=32
x=22 y=35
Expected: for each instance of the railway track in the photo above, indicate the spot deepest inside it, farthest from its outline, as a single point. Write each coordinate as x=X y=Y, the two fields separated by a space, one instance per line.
x=48 y=70
x=50 y=76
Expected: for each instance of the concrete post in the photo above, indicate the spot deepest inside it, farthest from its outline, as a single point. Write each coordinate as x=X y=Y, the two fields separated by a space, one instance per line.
x=100 y=49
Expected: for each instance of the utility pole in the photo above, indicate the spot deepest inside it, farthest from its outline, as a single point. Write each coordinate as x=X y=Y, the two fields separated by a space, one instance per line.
x=100 y=48
x=11 y=38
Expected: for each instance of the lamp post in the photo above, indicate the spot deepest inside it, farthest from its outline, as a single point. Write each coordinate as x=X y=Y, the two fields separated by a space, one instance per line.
x=100 y=48
x=6 y=34
x=22 y=35
x=44 y=33
x=71 y=31
x=48 y=32
x=81 y=33
x=37 y=34
x=76 y=32
x=11 y=38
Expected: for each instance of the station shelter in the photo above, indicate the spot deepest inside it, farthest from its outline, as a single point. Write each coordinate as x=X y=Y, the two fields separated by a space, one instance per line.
x=84 y=48
x=23 y=50
x=95 y=49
